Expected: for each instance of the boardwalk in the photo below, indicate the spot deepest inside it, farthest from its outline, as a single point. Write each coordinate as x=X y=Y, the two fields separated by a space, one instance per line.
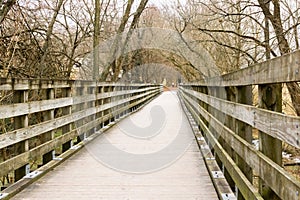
x=176 y=173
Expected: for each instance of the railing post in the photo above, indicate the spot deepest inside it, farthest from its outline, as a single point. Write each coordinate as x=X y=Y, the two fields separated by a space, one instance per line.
x=85 y=91
x=49 y=115
x=115 y=99
x=106 y=89
x=244 y=96
x=214 y=92
x=21 y=122
x=79 y=107
x=94 y=104
x=270 y=97
x=111 y=101
x=204 y=90
x=97 y=103
x=67 y=128
x=102 y=102
x=91 y=91
x=230 y=123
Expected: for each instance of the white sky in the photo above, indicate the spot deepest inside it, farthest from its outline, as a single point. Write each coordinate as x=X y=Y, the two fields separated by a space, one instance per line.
x=159 y=3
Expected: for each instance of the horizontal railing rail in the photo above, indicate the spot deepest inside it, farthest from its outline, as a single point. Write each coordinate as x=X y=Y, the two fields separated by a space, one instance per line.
x=41 y=119
x=223 y=109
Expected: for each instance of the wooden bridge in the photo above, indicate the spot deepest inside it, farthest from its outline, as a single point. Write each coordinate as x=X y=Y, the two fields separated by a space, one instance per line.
x=54 y=132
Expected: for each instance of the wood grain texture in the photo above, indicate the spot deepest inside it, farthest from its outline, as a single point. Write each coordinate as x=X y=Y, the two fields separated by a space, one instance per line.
x=281 y=69
x=88 y=99
x=13 y=110
x=22 y=134
x=285 y=185
x=22 y=159
x=222 y=186
x=281 y=126
x=36 y=84
x=84 y=177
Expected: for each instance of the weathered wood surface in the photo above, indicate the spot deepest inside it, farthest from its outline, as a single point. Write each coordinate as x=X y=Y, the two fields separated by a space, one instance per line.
x=32 y=154
x=281 y=69
x=19 y=135
x=221 y=184
x=278 y=125
x=35 y=84
x=71 y=112
x=285 y=185
x=84 y=177
x=246 y=188
x=13 y=110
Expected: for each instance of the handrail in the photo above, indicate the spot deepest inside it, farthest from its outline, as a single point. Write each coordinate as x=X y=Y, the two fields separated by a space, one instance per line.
x=45 y=118
x=223 y=110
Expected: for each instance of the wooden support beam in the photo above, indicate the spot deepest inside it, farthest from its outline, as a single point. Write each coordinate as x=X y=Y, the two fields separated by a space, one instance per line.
x=48 y=116
x=244 y=96
x=67 y=128
x=21 y=122
x=270 y=97
x=230 y=123
x=283 y=183
x=248 y=190
x=276 y=124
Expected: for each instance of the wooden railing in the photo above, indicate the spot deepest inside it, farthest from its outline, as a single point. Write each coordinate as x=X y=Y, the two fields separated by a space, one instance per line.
x=42 y=119
x=222 y=108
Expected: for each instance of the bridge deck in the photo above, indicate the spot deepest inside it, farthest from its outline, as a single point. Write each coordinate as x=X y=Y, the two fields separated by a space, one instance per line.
x=133 y=166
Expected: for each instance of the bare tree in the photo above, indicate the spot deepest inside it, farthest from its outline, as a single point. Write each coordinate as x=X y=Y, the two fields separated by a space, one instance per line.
x=5 y=6
x=118 y=44
x=284 y=47
x=96 y=39
x=45 y=47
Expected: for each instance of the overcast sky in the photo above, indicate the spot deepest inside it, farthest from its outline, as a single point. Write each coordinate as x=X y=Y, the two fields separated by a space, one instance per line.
x=159 y=3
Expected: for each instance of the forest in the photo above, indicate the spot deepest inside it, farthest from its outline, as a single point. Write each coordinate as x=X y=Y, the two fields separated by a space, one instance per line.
x=164 y=42
x=63 y=39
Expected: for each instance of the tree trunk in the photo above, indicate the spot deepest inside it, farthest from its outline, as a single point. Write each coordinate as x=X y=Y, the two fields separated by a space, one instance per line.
x=45 y=47
x=96 y=40
x=116 y=43
x=283 y=45
x=133 y=25
x=4 y=8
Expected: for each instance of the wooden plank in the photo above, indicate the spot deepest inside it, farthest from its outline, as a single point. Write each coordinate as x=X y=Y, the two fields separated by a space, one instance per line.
x=67 y=92
x=246 y=188
x=35 y=130
x=19 y=135
x=244 y=96
x=105 y=84
x=21 y=122
x=13 y=110
x=124 y=101
x=284 y=185
x=185 y=178
x=281 y=126
x=281 y=69
x=32 y=154
x=270 y=97
x=48 y=136
x=123 y=92
x=221 y=184
x=24 y=158
x=34 y=84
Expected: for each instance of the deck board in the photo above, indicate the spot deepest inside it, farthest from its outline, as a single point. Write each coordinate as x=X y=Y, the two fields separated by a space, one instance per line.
x=86 y=176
